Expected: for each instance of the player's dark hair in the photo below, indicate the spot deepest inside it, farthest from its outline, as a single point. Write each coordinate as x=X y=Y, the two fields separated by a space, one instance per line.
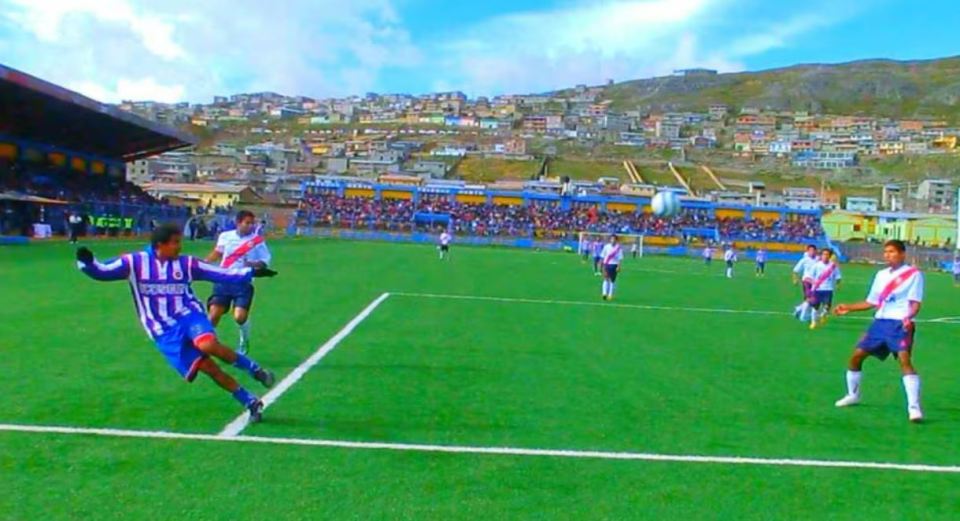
x=827 y=250
x=898 y=245
x=243 y=214
x=811 y=246
x=164 y=232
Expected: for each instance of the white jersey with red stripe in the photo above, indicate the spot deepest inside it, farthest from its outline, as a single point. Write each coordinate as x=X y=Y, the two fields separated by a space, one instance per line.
x=445 y=239
x=825 y=276
x=231 y=246
x=612 y=254
x=895 y=304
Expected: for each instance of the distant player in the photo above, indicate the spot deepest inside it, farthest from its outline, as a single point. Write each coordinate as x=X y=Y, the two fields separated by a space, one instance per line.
x=612 y=257
x=444 y=245
x=597 y=256
x=76 y=226
x=761 y=258
x=635 y=250
x=801 y=274
x=237 y=248
x=707 y=255
x=956 y=271
x=896 y=294
x=826 y=278
x=730 y=258
x=173 y=316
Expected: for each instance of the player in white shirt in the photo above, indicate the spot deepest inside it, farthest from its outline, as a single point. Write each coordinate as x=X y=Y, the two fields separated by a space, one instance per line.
x=956 y=271
x=826 y=279
x=707 y=255
x=730 y=257
x=801 y=274
x=896 y=294
x=444 y=245
x=237 y=248
x=611 y=256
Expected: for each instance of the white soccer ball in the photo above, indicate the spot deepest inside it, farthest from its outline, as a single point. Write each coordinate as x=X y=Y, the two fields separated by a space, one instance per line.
x=665 y=204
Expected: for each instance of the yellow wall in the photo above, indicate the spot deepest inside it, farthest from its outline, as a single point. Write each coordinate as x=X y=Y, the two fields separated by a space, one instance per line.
x=765 y=216
x=57 y=159
x=397 y=194
x=79 y=164
x=507 y=201
x=359 y=192
x=661 y=241
x=471 y=199
x=727 y=213
x=622 y=207
x=8 y=150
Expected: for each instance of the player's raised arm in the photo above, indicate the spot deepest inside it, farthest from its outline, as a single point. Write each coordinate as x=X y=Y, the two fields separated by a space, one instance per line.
x=200 y=270
x=114 y=269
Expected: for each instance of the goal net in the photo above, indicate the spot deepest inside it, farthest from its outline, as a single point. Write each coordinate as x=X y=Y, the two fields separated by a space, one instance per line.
x=632 y=243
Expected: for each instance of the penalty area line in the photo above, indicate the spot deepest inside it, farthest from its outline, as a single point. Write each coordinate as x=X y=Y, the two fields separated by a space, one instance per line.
x=240 y=422
x=490 y=451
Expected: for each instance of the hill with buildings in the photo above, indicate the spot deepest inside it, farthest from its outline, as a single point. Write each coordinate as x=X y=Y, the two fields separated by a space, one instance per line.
x=880 y=88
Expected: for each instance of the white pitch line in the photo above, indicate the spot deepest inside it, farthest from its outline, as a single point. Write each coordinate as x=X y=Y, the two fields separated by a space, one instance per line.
x=237 y=425
x=496 y=451
x=632 y=306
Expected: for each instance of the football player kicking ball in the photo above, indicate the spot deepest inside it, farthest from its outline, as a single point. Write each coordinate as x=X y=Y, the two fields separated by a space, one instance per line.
x=173 y=316
x=611 y=256
x=896 y=294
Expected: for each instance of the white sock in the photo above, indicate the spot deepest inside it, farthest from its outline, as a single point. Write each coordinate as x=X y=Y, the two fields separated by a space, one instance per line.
x=813 y=315
x=244 y=331
x=911 y=384
x=805 y=310
x=612 y=286
x=606 y=287
x=853 y=383
x=729 y=273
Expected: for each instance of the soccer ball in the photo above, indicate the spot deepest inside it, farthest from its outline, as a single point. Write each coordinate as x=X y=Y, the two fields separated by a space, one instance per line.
x=665 y=204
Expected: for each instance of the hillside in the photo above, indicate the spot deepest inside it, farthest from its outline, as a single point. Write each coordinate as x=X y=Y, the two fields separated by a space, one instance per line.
x=899 y=89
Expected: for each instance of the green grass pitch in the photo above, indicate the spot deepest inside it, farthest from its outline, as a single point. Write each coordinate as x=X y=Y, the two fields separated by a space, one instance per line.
x=546 y=366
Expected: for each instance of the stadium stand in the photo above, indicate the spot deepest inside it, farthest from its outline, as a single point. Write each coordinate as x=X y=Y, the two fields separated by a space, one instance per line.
x=63 y=153
x=540 y=216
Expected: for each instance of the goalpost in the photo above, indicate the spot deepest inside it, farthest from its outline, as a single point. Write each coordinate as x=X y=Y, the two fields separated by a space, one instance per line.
x=632 y=243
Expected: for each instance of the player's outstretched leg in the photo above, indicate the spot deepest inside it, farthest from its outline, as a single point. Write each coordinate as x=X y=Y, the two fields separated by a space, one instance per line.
x=249 y=400
x=854 y=371
x=212 y=347
x=911 y=386
x=242 y=317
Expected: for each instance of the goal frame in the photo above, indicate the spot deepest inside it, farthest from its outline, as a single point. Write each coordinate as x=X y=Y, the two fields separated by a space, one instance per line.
x=626 y=239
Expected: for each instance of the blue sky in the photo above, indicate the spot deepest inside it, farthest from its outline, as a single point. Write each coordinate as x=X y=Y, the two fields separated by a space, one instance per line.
x=191 y=50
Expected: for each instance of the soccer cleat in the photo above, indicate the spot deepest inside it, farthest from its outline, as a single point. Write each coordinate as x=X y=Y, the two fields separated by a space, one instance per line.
x=847 y=401
x=256 y=411
x=265 y=377
x=915 y=414
x=813 y=325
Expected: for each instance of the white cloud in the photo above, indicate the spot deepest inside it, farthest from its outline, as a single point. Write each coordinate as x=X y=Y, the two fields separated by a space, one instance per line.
x=46 y=19
x=117 y=47
x=130 y=89
x=590 y=42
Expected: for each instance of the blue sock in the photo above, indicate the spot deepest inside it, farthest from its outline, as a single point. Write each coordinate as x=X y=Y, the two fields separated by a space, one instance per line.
x=244 y=396
x=246 y=364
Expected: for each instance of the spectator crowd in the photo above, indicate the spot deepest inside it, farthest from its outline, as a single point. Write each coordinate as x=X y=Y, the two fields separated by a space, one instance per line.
x=539 y=220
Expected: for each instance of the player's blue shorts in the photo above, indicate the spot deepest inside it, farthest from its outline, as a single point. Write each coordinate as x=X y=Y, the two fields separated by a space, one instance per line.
x=761 y=265
x=821 y=297
x=887 y=336
x=611 y=270
x=178 y=344
x=729 y=264
x=239 y=295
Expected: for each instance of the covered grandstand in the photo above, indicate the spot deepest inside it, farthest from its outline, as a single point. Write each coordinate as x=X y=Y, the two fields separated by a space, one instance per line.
x=61 y=152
